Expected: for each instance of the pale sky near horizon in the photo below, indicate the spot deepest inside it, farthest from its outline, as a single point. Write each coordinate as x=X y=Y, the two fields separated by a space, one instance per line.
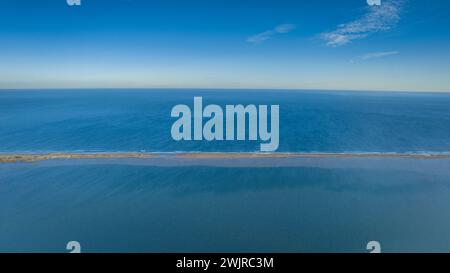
x=402 y=45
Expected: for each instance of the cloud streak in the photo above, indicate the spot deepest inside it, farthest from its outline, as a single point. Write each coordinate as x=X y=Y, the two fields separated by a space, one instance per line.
x=263 y=36
x=376 y=19
x=376 y=55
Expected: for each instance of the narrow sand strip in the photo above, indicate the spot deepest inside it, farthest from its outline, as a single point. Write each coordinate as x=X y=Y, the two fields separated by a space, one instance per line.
x=11 y=158
x=309 y=155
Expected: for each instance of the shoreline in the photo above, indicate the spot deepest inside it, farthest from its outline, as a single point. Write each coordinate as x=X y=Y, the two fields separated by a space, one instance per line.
x=17 y=157
x=13 y=158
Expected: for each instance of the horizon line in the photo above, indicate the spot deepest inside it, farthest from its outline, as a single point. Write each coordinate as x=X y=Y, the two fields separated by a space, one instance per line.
x=221 y=88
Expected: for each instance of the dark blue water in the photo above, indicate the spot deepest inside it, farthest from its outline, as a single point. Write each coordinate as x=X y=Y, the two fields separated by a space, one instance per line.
x=225 y=205
x=139 y=120
x=295 y=205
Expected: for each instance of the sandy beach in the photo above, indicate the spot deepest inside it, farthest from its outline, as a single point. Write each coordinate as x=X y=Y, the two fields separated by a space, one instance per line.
x=11 y=158
x=308 y=155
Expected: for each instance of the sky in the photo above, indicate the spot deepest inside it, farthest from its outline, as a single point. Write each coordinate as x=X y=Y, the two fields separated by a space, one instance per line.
x=400 y=45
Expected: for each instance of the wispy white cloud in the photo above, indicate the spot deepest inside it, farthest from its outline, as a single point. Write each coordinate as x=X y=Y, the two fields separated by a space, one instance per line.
x=375 y=55
x=263 y=36
x=376 y=19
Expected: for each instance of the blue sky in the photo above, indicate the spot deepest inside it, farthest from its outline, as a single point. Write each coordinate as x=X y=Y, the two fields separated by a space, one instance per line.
x=323 y=44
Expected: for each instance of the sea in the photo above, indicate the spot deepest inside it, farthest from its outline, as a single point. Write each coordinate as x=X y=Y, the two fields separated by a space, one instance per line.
x=172 y=204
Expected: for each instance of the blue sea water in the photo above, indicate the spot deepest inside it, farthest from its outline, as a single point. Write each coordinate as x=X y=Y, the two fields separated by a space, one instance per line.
x=139 y=120
x=225 y=205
